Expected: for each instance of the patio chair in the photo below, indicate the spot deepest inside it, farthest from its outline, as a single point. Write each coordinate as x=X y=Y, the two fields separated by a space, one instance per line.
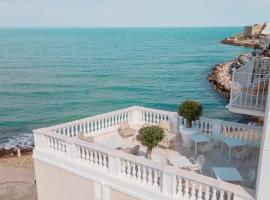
x=197 y=164
x=169 y=139
x=125 y=131
x=238 y=155
x=206 y=148
x=249 y=177
x=87 y=138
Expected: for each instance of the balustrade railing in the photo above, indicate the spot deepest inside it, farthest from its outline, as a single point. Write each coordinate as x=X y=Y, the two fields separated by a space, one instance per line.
x=109 y=122
x=145 y=174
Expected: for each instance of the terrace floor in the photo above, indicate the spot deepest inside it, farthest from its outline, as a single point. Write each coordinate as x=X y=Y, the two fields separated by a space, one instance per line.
x=216 y=158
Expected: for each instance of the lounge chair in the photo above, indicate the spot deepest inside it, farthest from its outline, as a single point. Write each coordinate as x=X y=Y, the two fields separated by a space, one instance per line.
x=169 y=139
x=125 y=131
x=131 y=150
x=197 y=164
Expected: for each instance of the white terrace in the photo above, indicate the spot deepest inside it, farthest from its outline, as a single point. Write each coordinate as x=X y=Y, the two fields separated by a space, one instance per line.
x=88 y=147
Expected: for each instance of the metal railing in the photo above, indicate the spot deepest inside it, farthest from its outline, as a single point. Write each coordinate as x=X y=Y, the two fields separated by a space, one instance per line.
x=250 y=85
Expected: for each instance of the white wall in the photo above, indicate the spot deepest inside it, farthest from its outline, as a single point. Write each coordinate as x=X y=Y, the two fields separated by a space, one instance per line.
x=263 y=180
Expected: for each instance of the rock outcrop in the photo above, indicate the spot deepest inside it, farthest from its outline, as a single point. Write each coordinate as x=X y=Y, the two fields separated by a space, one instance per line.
x=221 y=75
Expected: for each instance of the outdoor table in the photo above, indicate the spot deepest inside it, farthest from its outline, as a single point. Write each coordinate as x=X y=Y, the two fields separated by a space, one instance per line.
x=231 y=143
x=199 y=138
x=180 y=161
x=228 y=174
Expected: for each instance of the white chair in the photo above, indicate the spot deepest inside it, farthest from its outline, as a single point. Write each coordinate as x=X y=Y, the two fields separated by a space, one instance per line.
x=197 y=164
x=205 y=148
x=125 y=131
x=238 y=155
x=249 y=177
x=169 y=139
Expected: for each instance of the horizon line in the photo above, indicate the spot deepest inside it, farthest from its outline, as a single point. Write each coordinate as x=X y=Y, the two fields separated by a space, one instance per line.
x=231 y=26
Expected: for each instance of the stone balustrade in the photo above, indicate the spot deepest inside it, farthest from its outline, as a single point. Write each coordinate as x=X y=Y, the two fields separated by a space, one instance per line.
x=167 y=181
x=108 y=122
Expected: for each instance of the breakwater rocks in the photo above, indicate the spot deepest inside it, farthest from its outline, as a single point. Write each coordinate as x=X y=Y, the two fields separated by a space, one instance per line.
x=5 y=153
x=221 y=75
x=220 y=78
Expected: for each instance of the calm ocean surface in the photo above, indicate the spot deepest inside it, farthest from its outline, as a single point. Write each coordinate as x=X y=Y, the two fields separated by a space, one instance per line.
x=50 y=76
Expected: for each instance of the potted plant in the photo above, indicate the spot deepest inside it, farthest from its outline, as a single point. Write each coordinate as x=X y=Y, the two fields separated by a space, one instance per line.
x=149 y=137
x=190 y=110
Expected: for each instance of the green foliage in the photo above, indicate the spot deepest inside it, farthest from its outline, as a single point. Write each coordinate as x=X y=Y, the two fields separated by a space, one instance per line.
x=149 y=137
x=190 y=110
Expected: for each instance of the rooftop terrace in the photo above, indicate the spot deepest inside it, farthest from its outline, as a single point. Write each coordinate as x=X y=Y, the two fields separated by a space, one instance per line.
x=94 y=144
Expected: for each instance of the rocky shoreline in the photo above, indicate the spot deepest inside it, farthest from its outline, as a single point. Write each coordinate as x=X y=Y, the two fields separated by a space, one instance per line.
x=220 y=78
x=250 y=43
x=14 y=152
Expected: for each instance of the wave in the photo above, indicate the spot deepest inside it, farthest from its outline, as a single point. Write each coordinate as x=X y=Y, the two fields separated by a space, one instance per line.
x=20 y=141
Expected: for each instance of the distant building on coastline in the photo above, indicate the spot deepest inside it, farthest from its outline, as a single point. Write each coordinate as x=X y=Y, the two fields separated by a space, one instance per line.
x=265 y=36
x=253 y=31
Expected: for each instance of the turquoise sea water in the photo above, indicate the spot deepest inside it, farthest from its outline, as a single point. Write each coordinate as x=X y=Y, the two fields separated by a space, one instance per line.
x=49 y=76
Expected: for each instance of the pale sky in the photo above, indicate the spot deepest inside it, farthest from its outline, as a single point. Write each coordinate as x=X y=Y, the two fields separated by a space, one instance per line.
x=110 y=13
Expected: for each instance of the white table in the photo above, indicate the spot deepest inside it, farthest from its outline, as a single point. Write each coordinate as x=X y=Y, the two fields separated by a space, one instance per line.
x=180 y=161
x=199 y=138
x=231 y=143
x=227 y=174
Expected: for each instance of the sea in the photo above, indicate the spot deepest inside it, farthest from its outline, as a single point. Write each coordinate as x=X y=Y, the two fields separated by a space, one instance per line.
x=54 y=75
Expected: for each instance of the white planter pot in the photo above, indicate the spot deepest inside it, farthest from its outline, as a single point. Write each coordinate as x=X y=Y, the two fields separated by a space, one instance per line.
x=186 y=134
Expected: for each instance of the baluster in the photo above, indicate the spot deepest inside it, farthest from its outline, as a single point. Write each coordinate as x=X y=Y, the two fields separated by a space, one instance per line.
x=144 y=175
x=123 y=169
x=229 y=195
x=83 y=128
x=200 y=192
x=96 y=125
x=150 y=178
x=76 y=129
x=128 y=169
x=99 y=159
x=105 y=163
x=179 y=187
x=221 y=195
x=186 y=191
x=193 y=191
x=83 y=153
x=87 y=127
x=143 y=116
x=72 y=131
x=139 y=174
x=207 y=193
x=214 y=194
x=91 y=157
x=87 y=154
x=68 y=132
x=96 y=158
x=155 y=178
x=133 y=171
